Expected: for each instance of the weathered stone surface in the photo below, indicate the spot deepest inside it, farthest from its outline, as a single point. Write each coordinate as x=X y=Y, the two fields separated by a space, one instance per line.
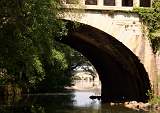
x=122 y=75
x=128 y=29
x=130 y=56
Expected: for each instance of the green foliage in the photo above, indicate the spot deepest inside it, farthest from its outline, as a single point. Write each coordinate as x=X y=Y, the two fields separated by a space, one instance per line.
x=28 y=52
x=155 y=100
x=38 y=65
x=60 y=57
x=151 y=17
x=27 y=48
x=3 y=76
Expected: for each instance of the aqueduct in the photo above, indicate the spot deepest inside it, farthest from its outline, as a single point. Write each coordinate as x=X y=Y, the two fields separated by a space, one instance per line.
x=115 y=40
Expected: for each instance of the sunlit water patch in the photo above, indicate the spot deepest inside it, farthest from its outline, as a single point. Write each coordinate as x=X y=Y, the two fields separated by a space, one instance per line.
x=82 y=99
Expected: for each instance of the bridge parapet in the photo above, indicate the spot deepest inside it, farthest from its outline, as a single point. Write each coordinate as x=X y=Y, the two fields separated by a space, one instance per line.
x=125 y=5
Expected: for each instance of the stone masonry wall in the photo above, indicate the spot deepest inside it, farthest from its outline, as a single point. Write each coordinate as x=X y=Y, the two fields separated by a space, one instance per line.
x=128 y=29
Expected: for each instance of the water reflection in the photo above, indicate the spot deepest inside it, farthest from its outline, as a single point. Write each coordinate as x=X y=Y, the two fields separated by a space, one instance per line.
x=66 y=102
x=52 y=103
x=82 y=99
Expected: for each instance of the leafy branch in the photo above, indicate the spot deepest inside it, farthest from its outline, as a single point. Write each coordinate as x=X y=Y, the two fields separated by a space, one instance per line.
x=151 y=18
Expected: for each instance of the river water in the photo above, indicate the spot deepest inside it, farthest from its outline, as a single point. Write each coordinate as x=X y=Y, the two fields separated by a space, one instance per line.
x=66 y=102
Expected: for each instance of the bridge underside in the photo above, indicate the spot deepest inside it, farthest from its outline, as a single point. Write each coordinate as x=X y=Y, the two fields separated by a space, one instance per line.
x=122 y=75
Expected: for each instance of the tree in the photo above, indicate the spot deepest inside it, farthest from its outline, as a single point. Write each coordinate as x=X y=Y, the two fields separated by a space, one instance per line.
x=27 y=46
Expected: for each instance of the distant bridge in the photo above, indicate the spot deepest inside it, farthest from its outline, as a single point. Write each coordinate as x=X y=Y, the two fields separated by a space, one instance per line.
x=115 y=41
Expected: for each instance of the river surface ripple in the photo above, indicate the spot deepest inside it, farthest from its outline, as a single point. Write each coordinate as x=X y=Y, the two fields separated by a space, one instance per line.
x=75 y=101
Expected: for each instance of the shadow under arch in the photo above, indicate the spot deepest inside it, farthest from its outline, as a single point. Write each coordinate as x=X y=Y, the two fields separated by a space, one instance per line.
x=123 y=76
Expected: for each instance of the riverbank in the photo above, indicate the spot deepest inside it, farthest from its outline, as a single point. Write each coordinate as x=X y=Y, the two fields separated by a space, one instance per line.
x=142 y=106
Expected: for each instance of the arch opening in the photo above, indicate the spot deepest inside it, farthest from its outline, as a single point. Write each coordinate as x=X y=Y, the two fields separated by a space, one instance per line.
x=127 y=3
x=122 y=76
x=109 y=2
x=84 y=75
x=145 y=3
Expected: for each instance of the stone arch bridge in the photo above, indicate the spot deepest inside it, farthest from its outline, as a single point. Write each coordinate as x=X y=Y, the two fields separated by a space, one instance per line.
x=115 y=41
